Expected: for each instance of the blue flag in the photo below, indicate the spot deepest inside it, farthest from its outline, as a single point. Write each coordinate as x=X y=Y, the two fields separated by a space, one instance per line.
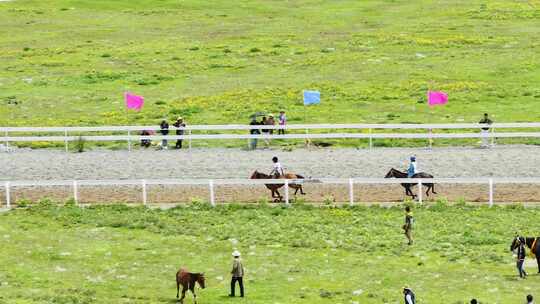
x=312 y=97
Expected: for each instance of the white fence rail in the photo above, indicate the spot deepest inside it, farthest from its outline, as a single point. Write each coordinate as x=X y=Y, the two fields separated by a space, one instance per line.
x=211 y=183
x=426 y=131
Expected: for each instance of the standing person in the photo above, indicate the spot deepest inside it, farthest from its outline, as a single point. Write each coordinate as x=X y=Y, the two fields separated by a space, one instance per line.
x=282 y=120
x=179 y=124
x=269 y=122
x=408 y=226
x=530 y=299
x=277 y=169
x=254 y=122
x=164 y=130
x=412 y=170
x=485 y=130
x=237 y=273
x=520 y=259
x=409 y=296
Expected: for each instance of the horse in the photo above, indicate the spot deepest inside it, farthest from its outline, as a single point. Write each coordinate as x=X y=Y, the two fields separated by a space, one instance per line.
x=532 y=242
x=398 y=174
x=188 y=279
x=274 y=187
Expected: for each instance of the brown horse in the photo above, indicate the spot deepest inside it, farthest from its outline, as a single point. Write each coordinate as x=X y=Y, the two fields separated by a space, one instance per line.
x=532 y=242
x=187 y=280
x=398 y=174
x=274 y=187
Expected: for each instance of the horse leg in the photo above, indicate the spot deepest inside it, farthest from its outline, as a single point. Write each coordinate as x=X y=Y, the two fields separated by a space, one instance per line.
x=433 y=189
x=177 y=289
x=538 y=260
x=183 y=294
x=296 y=190
x=194 y=296
x=279 y=196
x=427 y=191
x=302 y=190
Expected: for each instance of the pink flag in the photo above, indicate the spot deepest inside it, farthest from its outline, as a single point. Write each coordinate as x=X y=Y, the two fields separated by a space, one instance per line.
x=134 y=102
x=436 y=98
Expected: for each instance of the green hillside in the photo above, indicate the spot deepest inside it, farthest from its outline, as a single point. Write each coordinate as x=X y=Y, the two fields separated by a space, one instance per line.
x=68 y=62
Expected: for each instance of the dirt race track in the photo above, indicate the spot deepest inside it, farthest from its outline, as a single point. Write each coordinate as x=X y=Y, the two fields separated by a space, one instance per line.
x=503 y=161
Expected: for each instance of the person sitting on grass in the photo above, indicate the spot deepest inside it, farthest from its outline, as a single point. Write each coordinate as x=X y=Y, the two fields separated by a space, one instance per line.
x=277 y=169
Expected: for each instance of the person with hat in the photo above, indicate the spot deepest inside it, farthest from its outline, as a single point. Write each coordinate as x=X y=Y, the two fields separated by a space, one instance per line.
x=409 y=296
x=179 y=124
x=412 y=170
x=408 y=226
x=237 y=274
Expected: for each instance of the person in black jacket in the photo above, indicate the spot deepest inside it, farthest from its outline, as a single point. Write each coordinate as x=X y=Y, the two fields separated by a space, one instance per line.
x=179 y=124
x=164 y=130
x=520 y=259
x=253 y=142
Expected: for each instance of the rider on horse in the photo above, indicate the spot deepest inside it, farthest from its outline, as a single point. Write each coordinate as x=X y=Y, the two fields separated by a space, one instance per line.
x=277 y=169
x=412 y=167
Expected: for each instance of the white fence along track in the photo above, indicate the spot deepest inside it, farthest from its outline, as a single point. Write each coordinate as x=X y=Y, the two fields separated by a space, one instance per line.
x=355 y=131
x=211 y=183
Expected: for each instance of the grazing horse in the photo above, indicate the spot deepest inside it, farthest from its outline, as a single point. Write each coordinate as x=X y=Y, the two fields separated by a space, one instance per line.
x=398 y=174
x=532 y=242
x=187 y=280
x=274 y=187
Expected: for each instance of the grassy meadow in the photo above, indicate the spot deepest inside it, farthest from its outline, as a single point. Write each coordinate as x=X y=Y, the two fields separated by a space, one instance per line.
x=302 y=254
x=68 y=62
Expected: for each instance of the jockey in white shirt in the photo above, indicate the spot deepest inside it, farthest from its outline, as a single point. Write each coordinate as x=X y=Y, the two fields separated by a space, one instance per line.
x=277 y=169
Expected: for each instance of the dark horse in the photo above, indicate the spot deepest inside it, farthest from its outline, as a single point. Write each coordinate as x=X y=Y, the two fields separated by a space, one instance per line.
x=187 y=280
x=274 y=187
x=398 y=174
x=532 y=242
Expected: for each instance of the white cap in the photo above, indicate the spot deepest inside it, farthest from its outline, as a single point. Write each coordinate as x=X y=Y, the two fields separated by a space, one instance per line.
x=236 y=253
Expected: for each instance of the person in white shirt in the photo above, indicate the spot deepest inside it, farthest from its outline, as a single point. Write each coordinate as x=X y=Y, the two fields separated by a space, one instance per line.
x=409 y=296
x=277 y=170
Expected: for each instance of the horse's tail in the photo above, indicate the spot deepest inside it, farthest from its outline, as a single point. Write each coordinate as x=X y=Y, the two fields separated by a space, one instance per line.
x=299 y=176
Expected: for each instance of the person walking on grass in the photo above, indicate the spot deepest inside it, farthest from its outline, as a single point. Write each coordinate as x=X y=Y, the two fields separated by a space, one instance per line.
x=408 y=226
x=282 y=120
x=254 y=122
x=530 y=299
x=520 y=258
x=485 y=130
x=237 y=273
x=164 y=130
x=409 y=296
x=179 y=124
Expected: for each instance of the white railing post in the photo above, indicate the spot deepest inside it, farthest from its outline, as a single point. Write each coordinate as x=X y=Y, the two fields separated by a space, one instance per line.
x=370 y=139
x=351 y=192
x=189 y=141
x=75 y=192
x=8 y=195
x=129 y=140
x=491 y=192
x=420 y=192
x=430 y=139
x=212 y=197
x=66 y=140
x=144 y=196
x=7 y=142
x=287 y=192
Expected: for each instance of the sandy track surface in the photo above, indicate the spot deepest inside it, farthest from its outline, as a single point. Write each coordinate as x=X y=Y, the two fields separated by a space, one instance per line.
x=506 y=161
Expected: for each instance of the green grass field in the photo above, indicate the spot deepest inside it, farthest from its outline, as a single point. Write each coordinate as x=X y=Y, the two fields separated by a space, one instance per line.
x=68 y=62
x=118 y=254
